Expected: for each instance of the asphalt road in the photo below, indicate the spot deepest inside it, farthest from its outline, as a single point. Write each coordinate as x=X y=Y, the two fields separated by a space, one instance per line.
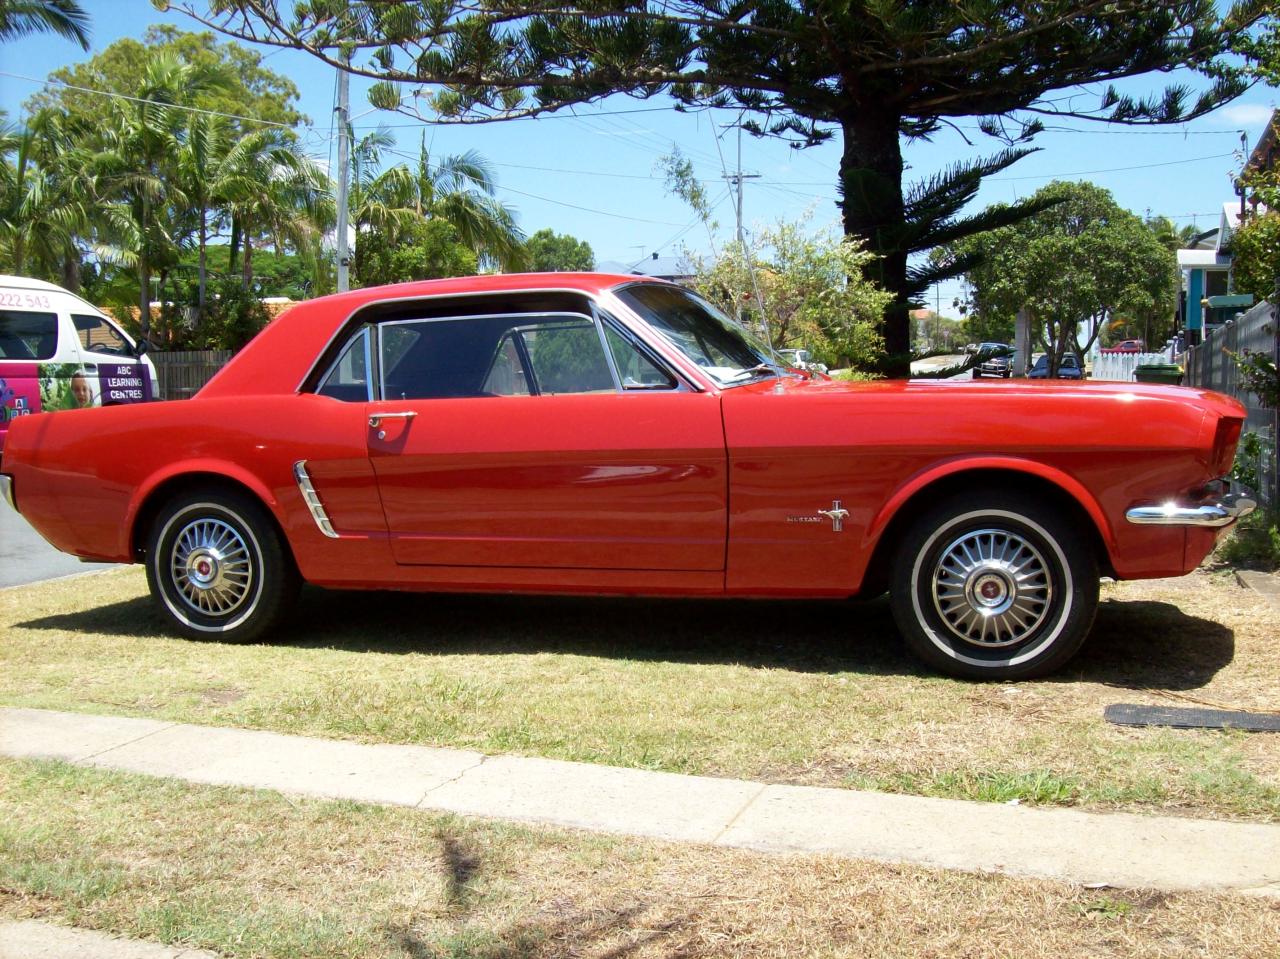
x=26 y=558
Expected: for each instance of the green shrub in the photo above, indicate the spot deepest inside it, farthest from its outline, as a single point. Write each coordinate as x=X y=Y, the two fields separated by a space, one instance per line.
x=1255 y=542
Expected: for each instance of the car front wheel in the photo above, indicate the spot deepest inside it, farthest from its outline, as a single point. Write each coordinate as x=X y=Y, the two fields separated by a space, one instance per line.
x=994 y=586
x=218 y=567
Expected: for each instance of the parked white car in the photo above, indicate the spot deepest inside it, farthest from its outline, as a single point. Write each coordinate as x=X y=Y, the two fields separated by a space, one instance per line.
x=58 y=351
x=801 y=360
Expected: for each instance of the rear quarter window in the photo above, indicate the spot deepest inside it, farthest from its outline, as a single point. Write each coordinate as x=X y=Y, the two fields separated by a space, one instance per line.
x=28 y=336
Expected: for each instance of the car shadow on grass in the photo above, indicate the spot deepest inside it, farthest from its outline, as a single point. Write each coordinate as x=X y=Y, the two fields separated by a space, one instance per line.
x=1137 y=644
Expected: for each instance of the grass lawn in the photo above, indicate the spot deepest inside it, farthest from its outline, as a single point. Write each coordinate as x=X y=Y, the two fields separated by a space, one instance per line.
x=254 y=874
x=786 y=692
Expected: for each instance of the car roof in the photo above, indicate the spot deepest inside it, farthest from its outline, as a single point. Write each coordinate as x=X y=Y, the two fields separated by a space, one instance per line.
x=280 y=356
x=27 y=283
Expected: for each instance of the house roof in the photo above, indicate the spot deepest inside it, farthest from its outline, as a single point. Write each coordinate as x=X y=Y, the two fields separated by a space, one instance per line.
x=1190 y=259
x=1263 y=154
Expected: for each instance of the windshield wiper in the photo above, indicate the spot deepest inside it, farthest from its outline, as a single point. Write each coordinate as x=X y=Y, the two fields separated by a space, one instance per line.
x=758 y=368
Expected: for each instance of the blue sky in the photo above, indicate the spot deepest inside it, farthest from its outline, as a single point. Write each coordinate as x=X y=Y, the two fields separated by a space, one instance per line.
x=593 y=174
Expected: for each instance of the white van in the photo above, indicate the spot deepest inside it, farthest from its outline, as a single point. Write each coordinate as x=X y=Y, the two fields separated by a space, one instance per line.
x=58 y=352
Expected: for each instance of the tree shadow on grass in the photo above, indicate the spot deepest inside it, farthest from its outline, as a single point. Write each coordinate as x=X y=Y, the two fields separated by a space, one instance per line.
x=1133 y=644
x=607 y=925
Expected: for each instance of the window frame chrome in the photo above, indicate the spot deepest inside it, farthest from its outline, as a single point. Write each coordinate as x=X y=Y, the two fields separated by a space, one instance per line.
x=362 y=330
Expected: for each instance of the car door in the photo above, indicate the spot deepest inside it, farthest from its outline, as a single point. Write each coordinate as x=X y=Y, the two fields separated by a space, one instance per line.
x=543 y=440
x=112 y=370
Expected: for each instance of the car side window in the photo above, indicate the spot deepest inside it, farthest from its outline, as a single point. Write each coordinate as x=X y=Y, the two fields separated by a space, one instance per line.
x=636 y=371
x=99 y=336
x=567 y=357
x=499 y=355
x=28 y=336
x=507 y=375
x=348 y=379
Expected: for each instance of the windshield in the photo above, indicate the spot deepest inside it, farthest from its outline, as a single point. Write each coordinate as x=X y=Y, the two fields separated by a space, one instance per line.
x=723 y=349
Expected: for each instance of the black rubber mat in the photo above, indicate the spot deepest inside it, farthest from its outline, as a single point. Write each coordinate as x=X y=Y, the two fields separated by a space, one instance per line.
x=1128 y=714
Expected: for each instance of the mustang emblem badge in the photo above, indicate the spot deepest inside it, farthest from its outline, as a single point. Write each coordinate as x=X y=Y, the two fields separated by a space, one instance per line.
x=836 y=514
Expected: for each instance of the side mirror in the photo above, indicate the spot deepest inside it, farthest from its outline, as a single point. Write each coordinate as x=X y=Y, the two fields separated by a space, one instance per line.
x=140 y=347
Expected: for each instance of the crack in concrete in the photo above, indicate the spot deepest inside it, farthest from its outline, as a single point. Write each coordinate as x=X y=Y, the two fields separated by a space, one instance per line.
x=130 y=742
x=448 y=782
x=738 y=815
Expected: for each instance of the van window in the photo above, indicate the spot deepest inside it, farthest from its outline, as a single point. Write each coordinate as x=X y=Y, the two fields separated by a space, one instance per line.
x=28 y=336
x=99 y=336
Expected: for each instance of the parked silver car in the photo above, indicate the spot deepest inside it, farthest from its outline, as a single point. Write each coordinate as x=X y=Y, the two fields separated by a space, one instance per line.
x=997 y=360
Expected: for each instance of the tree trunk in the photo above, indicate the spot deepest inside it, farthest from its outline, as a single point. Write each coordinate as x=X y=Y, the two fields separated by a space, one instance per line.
x=204 y=273
x=246 y=276
x=235 y=243
x=872 y=204
x=144 y=273
x=71 y=271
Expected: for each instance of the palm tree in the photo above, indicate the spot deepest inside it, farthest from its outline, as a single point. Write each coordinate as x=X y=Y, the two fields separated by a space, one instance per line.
x=1171 y=236
x=459 y=190
x=45 y=202
x=207 y=141
x=133 y=170
x=20 y=18
x=383 y=201
x=272 y=191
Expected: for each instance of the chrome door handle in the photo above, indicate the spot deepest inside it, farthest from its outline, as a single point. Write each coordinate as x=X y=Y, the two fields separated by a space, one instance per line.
x=375 y=419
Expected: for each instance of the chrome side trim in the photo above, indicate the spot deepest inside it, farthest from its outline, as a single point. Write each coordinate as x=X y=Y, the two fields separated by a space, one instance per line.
x=6 y=490
x=312 y=499
x=1229 y=509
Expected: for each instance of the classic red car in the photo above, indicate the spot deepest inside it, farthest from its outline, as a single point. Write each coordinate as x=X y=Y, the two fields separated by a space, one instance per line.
x=606 y=434
x=1125 y=346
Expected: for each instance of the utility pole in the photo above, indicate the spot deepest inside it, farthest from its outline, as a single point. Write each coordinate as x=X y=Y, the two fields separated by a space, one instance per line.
x=343 y=110
x=735 y=179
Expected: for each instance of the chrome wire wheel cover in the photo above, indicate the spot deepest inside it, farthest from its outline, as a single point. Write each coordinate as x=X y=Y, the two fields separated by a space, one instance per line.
x=211 y=567
x=991 y=588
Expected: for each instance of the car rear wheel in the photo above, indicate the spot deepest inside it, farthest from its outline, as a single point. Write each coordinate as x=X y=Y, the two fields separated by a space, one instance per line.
x=218 y=567
x=994 y=586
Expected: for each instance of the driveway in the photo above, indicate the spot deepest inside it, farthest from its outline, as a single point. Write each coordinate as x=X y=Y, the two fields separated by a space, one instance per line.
x=26 y=558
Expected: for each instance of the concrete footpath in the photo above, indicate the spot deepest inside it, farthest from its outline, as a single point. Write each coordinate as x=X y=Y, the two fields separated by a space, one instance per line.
x=39 y=940
x=1117 y=849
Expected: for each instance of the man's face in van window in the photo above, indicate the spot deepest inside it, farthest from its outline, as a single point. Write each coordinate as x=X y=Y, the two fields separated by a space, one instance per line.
x=80 y=390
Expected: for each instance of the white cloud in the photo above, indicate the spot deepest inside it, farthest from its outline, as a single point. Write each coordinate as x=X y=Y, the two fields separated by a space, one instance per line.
x=1246 y=114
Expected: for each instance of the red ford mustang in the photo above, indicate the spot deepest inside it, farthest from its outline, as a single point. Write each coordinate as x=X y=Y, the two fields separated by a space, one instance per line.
x=603 y=434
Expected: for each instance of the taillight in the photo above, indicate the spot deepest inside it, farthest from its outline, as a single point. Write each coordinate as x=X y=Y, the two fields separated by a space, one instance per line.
x=1224 y=443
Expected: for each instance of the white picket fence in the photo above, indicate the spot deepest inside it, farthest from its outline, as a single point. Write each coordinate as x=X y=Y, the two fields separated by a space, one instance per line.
x=1120 y=366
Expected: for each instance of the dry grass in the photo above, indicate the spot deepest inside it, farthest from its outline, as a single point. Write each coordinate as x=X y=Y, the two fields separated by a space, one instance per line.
x=258 y=875
x=789 y=692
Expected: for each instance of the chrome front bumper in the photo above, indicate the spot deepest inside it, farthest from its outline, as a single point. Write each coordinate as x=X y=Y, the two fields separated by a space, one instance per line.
x=1227 y=510
x=6 y=490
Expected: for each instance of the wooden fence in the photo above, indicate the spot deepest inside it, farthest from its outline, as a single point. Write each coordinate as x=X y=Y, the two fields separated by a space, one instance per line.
x=1210 y=365
x=182 y=373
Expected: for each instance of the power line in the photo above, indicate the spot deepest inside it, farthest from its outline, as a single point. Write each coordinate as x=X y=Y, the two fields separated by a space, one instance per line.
x=547 y=199
x=587 y=209
x=158 y=103
x=1117 y=169
x=541 y=116
x=1041 y=176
